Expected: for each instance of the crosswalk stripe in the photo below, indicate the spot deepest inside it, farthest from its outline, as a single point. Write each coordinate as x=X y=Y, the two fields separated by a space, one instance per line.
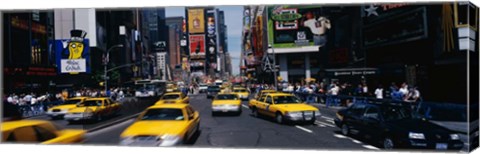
x=245 y=106
x=328 y=118
x=370 y=147
x=324 y=123
x=304 y=129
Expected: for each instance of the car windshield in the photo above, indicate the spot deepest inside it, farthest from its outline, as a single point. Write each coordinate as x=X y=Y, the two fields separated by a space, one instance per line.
x=393 y=113
x=226 y=97
x=72 y=101
x=286 y=100
x=163 y=114
x=171 y=97
x=213 y=88
x=239 y=90
x=91 y=103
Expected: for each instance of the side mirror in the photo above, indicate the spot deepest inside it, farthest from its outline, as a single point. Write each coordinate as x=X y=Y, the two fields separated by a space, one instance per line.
x=190 y=117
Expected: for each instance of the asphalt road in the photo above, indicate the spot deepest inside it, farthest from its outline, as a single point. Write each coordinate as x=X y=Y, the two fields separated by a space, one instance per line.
x=246 y=131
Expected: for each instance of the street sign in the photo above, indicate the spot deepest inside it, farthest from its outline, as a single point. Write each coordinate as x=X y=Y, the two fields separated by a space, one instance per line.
x=267 y=65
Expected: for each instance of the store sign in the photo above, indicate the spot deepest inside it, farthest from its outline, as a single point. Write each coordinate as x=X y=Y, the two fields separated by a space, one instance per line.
x=351 y=73
x=287 y=15
x=73 y=65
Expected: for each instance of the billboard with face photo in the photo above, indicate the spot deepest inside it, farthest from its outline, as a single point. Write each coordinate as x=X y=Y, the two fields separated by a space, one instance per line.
x=297 y=26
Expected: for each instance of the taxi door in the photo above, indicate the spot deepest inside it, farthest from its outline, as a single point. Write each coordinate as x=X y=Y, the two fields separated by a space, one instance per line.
x=193 y=121
x=264 y=107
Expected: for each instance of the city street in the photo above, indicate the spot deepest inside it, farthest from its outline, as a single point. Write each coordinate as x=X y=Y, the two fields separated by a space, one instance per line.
x=229 y=130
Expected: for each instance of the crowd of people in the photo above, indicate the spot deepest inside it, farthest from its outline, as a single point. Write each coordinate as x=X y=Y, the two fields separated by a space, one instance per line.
x=341 y=94
x=35 y=103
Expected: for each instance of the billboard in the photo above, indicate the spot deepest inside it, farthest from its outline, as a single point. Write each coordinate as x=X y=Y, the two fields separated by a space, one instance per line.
x=297 y=26
x=211 y=43
x=196 y=21
x=197 y=45
x=72 y=55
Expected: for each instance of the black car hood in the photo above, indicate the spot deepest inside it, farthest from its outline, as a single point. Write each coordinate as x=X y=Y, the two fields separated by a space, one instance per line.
x=417 y=126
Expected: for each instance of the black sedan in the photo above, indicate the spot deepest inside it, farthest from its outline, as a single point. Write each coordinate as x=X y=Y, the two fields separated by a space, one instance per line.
x=395 y=126
x=212 y=91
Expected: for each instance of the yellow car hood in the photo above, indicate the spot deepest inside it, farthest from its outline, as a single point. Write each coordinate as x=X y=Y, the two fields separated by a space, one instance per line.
x=226 y=102
x=296 y=107
x=84 y=109
x=62 y=107
x=241 y=93
x=155 y=128
x=168 y=100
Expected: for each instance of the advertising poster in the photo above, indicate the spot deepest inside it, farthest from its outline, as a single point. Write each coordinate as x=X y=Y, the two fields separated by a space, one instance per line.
x=211 y=39
x=197 y=45
x=196 y=21
x=297 y=26
x=72 y=55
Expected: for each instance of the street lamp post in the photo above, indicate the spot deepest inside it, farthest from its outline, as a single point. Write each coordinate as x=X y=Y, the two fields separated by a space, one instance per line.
x=107 y=57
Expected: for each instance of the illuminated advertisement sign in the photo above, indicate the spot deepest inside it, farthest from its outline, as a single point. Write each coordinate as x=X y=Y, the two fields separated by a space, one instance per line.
x=297 y=26
x=196 y=21
x=197 y=44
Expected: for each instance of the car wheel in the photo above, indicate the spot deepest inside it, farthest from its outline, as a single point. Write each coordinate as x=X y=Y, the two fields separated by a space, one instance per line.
x=388 y=143
x=279 y=118
x=254 y=112
x=345 y=130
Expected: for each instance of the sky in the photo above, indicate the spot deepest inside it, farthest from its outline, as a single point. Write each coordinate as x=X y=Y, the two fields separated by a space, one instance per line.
x=233 y=20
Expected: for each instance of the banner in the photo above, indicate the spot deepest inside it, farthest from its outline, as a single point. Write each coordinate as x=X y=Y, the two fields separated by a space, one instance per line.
x=197 y=45
x=211 y=43
x=196 y=21
x=72 y=56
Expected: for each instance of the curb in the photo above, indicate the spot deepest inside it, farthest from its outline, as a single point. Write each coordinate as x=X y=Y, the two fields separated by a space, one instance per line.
x=112 y=123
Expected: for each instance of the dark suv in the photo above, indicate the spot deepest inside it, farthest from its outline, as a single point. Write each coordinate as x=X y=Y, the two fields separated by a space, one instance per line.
x=395 y=126
x=212 y=91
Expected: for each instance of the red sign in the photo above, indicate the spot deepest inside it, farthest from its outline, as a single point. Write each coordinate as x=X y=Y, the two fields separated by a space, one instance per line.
x=197 y=44
x=31 y=71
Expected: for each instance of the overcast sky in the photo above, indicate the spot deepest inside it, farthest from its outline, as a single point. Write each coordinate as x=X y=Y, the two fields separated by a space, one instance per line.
x=233 y=20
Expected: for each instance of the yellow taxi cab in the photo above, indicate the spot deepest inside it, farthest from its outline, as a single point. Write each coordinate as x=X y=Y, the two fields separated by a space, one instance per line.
x=39 y=131
x=60 y=110
x=284 y=108
x=93 y=109
x=163 y=125
x=173 y=98
x=226 y=103
x=260 y=94
x=171 y=87
x=241 y=92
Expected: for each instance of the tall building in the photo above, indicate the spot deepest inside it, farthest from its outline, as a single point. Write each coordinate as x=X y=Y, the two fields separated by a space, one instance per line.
x=29 y=61
x=175 y=32
x=155 y=40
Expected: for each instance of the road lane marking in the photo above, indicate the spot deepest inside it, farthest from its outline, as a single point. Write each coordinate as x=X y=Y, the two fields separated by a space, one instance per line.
x=328 y=118
x=370 y=147
x=339 y=136
x=356 y=141
x=304 y=129
x=320 y=125
x=324 y=123
x=245 y=106
x=111 y=128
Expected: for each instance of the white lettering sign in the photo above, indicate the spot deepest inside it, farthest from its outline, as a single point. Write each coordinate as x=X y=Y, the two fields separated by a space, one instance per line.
x=73 y=65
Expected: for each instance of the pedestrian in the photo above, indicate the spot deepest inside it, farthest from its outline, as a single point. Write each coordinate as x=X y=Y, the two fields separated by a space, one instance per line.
x=365 y=90
x=379 y=92
x=333 y=95
x=404 y=89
